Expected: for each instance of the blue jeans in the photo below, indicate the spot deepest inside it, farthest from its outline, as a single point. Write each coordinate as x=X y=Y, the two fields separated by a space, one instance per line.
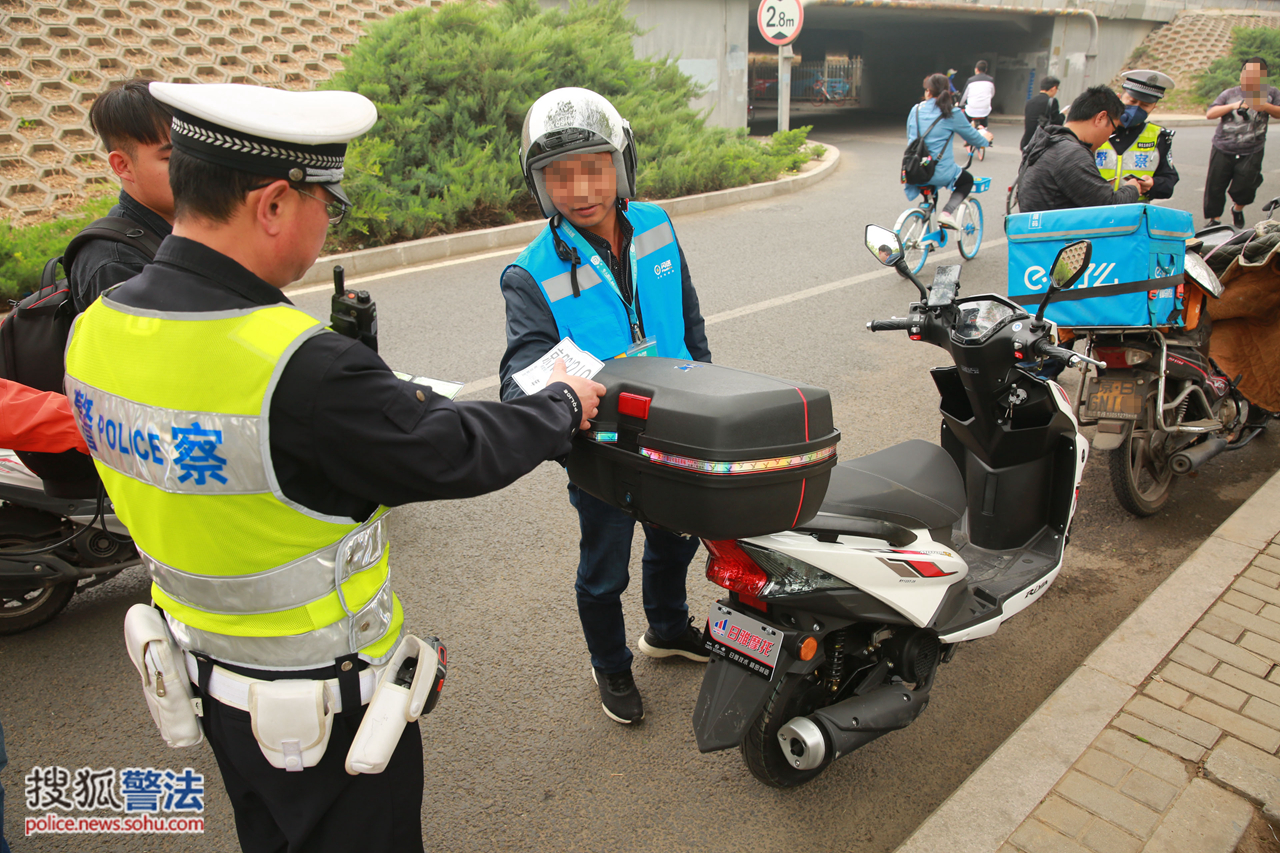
x=604 y=554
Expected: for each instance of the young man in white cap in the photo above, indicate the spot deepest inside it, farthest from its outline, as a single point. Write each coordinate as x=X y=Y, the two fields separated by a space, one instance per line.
x=1140 y=147
x=610 y=275
x=253 y=455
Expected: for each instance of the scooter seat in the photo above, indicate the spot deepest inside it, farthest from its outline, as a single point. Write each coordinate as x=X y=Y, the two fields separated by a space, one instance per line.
x=915 y=484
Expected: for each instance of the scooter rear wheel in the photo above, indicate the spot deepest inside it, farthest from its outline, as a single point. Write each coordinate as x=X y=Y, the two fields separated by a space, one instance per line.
x=1140 y=472
x=794 y=696
x=20 y=610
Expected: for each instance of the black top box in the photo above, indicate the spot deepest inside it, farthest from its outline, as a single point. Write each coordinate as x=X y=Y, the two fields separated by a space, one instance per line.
x=707 y=450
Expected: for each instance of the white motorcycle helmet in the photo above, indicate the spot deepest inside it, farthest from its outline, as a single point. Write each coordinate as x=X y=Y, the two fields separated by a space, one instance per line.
x=574 y=121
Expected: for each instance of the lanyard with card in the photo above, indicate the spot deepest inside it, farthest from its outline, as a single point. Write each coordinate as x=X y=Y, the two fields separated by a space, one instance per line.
x=640 y=345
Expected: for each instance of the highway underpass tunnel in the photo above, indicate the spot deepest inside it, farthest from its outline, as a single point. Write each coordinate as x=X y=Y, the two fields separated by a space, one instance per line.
x=874 y=54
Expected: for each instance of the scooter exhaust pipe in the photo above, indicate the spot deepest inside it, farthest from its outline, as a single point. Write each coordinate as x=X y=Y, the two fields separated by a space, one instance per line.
x=828 y=733
x=1186 y=461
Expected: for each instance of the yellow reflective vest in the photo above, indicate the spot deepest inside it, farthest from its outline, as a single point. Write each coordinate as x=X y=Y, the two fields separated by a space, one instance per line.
x=174 y=408
x=1141 y=158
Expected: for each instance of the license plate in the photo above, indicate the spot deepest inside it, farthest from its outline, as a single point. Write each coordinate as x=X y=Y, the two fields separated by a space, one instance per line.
x=745 y=641
x=1115 y=399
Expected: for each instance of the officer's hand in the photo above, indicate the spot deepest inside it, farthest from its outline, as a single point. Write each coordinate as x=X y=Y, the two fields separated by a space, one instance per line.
x=588 y=390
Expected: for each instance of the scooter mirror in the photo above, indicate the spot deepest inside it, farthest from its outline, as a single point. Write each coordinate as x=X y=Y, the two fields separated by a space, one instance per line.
x=1070 y=264
x=884 y=244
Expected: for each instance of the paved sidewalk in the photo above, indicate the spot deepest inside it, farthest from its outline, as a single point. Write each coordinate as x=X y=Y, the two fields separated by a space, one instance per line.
x=1165 y=739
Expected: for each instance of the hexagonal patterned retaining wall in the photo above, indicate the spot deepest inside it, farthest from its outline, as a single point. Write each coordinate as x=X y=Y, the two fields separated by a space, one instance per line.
x=56 y=57
x=1192 y=41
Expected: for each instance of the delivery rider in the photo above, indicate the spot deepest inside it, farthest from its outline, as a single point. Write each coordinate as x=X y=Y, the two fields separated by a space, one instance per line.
x=254 y=454
x=1139 y=147
x=611 y=276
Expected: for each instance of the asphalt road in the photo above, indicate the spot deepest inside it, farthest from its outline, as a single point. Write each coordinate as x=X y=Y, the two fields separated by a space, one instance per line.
x=518 y=754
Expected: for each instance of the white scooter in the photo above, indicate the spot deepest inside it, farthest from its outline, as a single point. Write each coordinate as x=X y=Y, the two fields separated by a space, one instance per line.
x=832 y=632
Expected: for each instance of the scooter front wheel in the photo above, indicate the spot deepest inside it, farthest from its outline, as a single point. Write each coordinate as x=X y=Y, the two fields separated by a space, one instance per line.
x=22 y=529
x=794 y=696
x=911 y=228
x=1140 y=472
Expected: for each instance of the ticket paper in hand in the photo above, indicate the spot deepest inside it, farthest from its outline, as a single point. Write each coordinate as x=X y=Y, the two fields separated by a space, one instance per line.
x=577 y=362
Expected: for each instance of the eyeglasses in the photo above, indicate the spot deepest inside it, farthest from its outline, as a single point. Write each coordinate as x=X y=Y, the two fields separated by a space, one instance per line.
x=1115 y=125
x=337 y=210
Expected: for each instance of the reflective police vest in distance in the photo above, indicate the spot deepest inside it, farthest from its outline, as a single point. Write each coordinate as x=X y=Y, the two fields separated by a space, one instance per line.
x=1141 y=158
x=596 y=320
x=244 y=574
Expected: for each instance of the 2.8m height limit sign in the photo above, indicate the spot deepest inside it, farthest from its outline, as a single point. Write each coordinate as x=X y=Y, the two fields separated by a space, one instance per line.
x=780 y=20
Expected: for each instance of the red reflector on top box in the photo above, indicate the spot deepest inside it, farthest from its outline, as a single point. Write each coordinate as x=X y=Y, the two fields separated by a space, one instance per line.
x=634 y=405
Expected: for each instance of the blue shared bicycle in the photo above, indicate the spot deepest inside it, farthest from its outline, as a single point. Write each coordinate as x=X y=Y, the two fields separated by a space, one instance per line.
x=918 y=229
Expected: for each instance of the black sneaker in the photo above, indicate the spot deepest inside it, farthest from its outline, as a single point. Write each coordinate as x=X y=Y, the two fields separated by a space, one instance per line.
x=619 y=696
x=687 y=645
x=1237 y=218
x=1211 y=223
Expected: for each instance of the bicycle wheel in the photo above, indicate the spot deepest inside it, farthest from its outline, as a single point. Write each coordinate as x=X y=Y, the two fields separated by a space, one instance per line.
x=1010 y=203
x=969 y=236
x=911 y=228
x=815 y=98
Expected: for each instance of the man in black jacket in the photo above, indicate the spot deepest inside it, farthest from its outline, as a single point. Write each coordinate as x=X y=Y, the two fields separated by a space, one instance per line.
x=1058 y=168
x=134 y=128
x=1042 y=109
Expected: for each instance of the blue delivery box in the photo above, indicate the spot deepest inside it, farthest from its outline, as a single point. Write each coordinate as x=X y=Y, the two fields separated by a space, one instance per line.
x=1135 y=274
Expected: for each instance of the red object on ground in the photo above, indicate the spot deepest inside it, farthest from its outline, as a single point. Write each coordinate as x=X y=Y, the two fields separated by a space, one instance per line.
x=37 y=420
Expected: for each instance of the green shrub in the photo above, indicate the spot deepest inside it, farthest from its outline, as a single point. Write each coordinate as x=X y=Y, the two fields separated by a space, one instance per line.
x=1224 y=73
x=453 y=84
x=24 y=250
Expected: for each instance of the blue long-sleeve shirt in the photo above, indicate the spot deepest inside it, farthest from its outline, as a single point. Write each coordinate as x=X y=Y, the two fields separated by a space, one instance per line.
x=938 y=141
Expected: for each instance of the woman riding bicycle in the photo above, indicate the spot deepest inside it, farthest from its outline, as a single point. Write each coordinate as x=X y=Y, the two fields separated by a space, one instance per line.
x=936 y=117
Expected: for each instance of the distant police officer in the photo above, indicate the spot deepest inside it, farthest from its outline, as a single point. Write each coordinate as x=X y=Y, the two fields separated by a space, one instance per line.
x=254 y=455
x=612 y=277
x=1138 y=147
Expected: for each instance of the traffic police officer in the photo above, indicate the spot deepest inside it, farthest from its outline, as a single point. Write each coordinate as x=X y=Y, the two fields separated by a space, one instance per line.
x=1139 y=147
x=253 y=455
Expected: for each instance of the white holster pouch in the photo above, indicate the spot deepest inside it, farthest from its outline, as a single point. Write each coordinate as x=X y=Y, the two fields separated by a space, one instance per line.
x=165 y=683
x=392 y=707
x=292 y=720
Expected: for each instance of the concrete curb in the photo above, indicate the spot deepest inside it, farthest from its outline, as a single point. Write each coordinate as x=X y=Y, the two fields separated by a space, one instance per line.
x=1003 y=791
x=416 y=252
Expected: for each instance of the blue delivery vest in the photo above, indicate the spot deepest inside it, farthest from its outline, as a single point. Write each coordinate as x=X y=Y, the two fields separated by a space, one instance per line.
x=596 y=320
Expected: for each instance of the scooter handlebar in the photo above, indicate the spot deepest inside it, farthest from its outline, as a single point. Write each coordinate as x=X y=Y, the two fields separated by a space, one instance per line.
x=895 y=324
x=1043 y=348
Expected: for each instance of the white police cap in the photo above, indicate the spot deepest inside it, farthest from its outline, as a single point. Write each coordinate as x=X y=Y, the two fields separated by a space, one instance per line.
x=1146 y=85
x=296 y=136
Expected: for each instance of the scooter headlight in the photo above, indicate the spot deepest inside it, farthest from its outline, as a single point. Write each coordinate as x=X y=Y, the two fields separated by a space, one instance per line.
x=789 y=576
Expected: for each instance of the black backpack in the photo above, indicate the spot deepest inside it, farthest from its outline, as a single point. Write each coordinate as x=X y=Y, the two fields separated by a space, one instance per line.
x=33 y=342
x=917 y=163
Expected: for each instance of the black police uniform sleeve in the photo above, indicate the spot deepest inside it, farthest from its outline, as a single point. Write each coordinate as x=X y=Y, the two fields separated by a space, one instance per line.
x=341 y=422
x=1165 y=177
x=531 y=327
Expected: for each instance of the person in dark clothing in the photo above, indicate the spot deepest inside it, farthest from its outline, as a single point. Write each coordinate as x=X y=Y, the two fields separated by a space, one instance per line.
x=1041 y=110
x=134 y=128
x=257 y=437
x=1239 y=142
x=603 y=272
x=1058 y=168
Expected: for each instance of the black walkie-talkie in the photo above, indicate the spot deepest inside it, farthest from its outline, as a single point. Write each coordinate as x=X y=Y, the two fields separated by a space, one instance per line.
x=354 y=313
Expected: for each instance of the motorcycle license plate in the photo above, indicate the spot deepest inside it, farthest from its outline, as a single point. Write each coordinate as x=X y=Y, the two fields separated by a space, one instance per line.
x=745 y=641
x=1114 y=399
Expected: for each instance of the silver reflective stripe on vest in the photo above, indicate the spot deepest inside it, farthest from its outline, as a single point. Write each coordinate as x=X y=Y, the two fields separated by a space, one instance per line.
x=561 y=286
x=654 y=239
x=194 y=453
x=311 y=650
x=295 y=584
